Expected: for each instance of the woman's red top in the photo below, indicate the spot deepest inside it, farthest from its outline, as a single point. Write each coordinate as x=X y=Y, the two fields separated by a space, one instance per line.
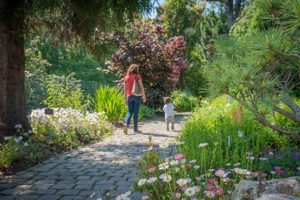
x=128 y=81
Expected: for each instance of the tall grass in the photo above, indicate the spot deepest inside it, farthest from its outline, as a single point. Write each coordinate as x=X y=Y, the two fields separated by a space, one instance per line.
x=111 y=101
x=231 y=133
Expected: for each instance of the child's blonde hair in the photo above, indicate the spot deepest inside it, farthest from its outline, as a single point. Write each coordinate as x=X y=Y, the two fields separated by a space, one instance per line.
x=167 y=100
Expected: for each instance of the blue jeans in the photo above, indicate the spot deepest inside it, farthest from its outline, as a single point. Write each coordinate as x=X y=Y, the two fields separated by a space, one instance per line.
x=134 y=103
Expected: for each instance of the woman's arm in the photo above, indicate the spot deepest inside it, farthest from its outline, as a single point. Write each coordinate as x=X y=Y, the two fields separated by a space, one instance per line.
x=125 y=91
x=143 y=90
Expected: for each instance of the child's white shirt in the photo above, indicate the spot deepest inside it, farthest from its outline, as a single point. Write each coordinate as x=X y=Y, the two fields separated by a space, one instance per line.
x=169 y=110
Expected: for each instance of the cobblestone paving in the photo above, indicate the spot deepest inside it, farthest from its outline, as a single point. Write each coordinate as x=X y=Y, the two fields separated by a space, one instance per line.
x=106 y=166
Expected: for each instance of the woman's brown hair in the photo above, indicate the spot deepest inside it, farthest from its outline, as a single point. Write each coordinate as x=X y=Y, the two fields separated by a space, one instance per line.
x=133 y=68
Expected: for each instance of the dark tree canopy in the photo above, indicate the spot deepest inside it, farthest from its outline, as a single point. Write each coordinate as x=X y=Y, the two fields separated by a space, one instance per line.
x=61 y=19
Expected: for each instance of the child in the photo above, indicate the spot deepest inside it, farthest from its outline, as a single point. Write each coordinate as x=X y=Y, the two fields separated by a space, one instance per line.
x=169 y=112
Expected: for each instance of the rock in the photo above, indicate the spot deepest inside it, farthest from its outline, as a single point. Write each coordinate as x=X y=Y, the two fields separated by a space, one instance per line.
x=277 y=197
x=286 y=188
x=245 y=189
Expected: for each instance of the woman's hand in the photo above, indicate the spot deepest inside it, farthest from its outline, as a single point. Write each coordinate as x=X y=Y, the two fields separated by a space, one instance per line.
x=144 y=98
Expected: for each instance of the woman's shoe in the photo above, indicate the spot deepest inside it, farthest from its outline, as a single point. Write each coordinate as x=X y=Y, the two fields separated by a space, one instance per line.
x=138 y=131
x=125 y=129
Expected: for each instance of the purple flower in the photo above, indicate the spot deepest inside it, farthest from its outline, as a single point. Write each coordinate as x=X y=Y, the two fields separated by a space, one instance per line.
x=296 y=157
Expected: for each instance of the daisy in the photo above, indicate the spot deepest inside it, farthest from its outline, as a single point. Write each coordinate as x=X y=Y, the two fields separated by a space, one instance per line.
x=209 y=194
x=151 y=180
x=142 y=182
x=190 y=191
x=165 y=177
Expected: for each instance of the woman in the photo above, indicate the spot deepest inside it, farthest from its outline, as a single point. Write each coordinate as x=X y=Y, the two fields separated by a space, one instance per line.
x=133 y=101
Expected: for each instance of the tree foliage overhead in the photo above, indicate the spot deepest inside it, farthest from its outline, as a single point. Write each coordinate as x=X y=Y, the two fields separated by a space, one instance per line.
x=161 y=59
x=259 y=63
x=63 y=19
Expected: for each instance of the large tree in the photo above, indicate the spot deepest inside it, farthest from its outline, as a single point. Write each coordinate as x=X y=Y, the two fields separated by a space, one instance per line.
x=232 y=9
x=65 y=19
x=258 y=64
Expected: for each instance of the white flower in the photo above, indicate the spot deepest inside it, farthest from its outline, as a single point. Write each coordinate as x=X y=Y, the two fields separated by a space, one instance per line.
x=298 y=168
x=209 y=194
x=142 y=182
x=240 y=133
x=7 y=138
x=193 y=161
x=18 y=126
x=164 y=145
x=124 y=196
x=18 y=139
x=163 y=166
x=196 y=167
x=151 y=180
x=202 y=145
x=241 y=171
x=145 y=197
x=197 y=188
x=237 y=164
x=127 y=194
x=165 y=177
x=211 y=170
x=251 y=158
x=26 y=144
x=173 y=162
x=273 y=172
x=228 y=164
x=190 y=191
x=182 y=161
x=183 y=181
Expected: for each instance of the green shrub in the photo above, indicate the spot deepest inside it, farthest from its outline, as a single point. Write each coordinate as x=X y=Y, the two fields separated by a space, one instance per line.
x=183 y=101
x=230 y=133
x=146 y=112
x=9 y=152
x=64 y=92
x=111 y=101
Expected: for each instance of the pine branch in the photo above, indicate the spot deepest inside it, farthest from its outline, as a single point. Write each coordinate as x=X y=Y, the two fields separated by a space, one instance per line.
x=266 y=123
x=287 y=114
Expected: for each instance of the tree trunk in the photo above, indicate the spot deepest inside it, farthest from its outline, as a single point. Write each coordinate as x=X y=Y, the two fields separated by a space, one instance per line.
x=12 y=68
x=230 y=14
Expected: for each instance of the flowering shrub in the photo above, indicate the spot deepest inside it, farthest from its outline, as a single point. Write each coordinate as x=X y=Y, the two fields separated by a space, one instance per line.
x=67 y=128
x=63 y=130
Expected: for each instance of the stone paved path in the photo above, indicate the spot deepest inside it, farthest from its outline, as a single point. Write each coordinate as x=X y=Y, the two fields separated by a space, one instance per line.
x=98 y=168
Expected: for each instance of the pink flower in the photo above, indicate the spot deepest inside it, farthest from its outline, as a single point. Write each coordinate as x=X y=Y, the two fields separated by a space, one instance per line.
x=220 y=173
x=218 y=191
x=178 y=156
x=209 y=186
x=212 y=180
x=277 y=168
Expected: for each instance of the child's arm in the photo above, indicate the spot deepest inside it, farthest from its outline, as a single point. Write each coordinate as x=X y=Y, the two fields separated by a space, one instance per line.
x=164 y=108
